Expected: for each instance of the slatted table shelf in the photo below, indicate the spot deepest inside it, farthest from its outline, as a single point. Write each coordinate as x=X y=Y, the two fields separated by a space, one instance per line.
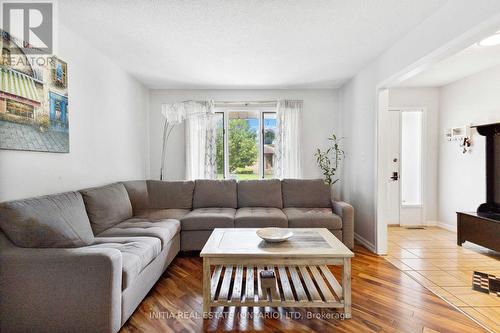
x=233 y=259
x=297 y=286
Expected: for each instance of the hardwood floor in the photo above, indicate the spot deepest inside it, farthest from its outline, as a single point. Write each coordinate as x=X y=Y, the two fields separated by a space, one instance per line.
x=432 y=258
x=384 y=300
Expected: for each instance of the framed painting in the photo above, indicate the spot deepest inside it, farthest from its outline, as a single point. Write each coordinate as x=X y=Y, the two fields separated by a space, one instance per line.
x=34 y=112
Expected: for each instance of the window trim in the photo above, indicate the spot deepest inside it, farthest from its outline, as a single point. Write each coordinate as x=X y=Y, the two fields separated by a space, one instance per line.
x=262 y=164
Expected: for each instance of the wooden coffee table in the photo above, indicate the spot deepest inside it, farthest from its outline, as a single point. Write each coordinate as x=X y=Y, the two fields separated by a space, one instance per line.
x=300 y=265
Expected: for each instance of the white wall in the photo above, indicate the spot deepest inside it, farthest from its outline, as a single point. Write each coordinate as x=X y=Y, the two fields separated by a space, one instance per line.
x=473 y=100
x=446 y=31
x=107 y=119
x=319 y=120
x=428 y=100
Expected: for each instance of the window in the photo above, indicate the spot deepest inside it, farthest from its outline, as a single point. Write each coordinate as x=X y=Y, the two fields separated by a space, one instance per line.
x=19 y=109
x=245 y=144
x=411 y=158
x=59 y=72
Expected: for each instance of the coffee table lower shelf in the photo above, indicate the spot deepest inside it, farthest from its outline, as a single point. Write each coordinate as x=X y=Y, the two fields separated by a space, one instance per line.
x=296 y=286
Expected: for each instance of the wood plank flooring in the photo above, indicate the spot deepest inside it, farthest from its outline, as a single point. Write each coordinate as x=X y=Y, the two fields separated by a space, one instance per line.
x=431 y=257
x=384 y=299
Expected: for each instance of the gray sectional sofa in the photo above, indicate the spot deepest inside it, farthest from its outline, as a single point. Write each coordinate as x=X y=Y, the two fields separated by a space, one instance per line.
x=83 y=261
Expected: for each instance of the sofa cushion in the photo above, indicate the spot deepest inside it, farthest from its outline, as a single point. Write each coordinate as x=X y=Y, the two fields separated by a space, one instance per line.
x=215 y=193
x=309 y=193
x=260 y=193
x=208 y=219
x=138 y=194
x=107 y=206
x=260 y=217
x=161 y=214
x=57 y=220
x=137 y=253
x=312 y=218
x=170 y=194
x=164 y=230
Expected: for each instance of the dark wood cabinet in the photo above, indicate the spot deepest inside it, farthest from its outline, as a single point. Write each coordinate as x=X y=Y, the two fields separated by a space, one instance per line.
x=483 y=226
x=479 y=229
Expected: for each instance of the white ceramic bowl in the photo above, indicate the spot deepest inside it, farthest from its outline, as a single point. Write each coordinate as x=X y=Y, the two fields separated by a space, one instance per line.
x=274 y=235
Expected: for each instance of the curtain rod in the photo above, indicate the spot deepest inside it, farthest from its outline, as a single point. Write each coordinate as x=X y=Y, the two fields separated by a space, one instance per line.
x=246 y=102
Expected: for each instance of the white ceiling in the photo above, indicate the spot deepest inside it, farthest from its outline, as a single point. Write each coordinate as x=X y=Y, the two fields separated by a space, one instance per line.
x=244 y=43
x=472 y=60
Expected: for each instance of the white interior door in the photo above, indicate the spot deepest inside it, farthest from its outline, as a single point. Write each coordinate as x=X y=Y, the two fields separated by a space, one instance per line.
x=404 y=169
x=393 y=188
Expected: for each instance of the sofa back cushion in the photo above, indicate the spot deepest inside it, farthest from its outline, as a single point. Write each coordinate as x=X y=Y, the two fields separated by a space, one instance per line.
x=307 y=193
x=215 y=193
x=106 y=206
x=170 y=194
x=260 y=193
x=138 y=194
x=57 y=220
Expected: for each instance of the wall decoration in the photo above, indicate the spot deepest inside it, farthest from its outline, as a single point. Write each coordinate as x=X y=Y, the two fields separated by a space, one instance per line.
x=461 y=134
x=33 y=99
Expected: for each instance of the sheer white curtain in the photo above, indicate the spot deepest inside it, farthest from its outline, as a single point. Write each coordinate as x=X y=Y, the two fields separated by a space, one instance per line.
x=200 y=140
x=287 y=157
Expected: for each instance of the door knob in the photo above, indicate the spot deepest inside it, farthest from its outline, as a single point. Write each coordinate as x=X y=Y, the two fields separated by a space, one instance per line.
x=395 y=176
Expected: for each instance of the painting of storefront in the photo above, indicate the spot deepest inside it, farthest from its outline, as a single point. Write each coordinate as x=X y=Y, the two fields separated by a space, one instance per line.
x=33 y=100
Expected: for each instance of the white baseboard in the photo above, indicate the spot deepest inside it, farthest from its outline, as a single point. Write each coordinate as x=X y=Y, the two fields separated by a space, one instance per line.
x=450 y=227
x=365 y=243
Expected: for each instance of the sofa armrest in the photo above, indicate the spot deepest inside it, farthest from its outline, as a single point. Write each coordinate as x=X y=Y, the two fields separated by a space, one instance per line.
x=346 y=213
x=60 y=290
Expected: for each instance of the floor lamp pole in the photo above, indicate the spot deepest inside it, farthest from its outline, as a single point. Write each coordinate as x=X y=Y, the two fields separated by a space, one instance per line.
x=167 y=129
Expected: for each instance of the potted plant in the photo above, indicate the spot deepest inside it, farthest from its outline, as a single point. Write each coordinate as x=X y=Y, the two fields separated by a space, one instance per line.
x=43 y=122
x=329 y=160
